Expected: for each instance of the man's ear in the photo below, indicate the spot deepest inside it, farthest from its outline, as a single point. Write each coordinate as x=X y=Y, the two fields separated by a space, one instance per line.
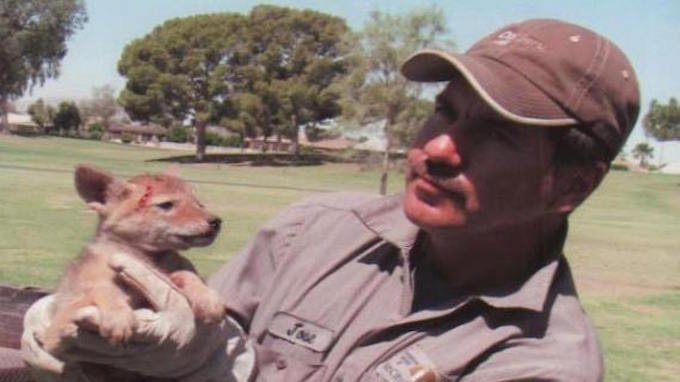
x=96 y=187
x=573 y=184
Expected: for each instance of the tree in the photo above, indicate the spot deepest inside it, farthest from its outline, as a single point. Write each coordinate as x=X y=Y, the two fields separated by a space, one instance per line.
x=662 y=122
x=200 y=67
x=410 y=120
x=183 y=70
x=100 y=106
x=248 y=115
x=375 y=90
x=11 y=107
x=33 y=36
x=295 y=60
x=42 y=114
x=643 y=151
x=67 y=117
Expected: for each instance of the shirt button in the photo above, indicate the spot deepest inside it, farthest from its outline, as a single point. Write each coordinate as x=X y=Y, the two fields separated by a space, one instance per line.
x=281 y=364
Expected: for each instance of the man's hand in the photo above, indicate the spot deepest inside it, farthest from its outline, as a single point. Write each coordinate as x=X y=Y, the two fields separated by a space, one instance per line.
x=168 y=342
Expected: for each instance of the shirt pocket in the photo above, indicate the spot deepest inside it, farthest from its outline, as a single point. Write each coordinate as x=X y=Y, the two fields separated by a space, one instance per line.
x=293 y=349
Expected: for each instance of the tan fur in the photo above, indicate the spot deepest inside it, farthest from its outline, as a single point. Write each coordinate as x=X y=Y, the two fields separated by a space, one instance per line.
x=149 y=217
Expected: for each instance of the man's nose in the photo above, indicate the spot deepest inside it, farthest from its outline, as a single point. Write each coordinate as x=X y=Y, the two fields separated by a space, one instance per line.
x=443 y=149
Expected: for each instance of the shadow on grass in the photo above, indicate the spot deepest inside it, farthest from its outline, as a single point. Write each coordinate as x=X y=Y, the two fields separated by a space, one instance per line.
x=255 y=159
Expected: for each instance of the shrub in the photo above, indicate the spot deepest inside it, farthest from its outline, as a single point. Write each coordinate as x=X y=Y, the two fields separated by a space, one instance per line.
x=233 y=141
x=214 y=139
x=26 y=130
x=95 y=131
x=619 y=167
x=179 y=134
x=308 y=150
x=127 y=137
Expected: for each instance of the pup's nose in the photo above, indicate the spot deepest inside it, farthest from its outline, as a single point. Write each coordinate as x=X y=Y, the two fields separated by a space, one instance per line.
x=215 y=224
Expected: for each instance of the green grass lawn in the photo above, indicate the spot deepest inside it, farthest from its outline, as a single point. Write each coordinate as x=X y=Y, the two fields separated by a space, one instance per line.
x=624 y=243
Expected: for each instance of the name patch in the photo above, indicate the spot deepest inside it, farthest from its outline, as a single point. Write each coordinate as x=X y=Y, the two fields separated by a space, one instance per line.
x=301 y=332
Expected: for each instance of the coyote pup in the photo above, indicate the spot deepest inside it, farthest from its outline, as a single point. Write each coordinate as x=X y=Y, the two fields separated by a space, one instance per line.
x=149 y=217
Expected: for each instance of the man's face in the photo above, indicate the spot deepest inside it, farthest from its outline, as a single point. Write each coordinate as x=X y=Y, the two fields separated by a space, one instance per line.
x=470 y=169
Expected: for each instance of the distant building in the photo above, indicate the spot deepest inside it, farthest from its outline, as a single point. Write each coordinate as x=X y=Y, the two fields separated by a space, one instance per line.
x=369 y=137
x=22 y=124
x=138 y=132
x=220 y=130
x=262 y=143
x=16 y=119
x=334 y=144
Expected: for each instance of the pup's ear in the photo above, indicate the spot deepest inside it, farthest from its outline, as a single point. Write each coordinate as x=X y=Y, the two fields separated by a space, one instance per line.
x=95 y=186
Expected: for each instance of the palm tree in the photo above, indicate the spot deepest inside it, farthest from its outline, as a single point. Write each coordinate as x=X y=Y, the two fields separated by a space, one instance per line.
x=643 y=151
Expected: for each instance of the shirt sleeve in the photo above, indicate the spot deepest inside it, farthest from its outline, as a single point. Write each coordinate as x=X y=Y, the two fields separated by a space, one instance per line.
x=248 y=275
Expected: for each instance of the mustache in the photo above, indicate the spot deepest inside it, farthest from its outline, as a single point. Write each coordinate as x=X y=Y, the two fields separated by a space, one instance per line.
x=440 y=174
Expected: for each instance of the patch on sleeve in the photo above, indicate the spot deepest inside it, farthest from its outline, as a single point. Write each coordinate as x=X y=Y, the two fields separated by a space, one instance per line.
x=410 y=365
x=301 y=332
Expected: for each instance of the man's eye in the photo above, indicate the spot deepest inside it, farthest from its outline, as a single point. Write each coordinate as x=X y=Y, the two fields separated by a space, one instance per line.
x=166 y=206
x=498 y=134
x=503 y=135
x=445 y=110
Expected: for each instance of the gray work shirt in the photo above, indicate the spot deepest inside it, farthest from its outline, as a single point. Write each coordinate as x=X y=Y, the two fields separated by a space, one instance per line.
x=326 y=293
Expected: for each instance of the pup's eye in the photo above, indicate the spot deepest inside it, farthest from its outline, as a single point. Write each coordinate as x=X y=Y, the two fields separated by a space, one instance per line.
x=166 y=206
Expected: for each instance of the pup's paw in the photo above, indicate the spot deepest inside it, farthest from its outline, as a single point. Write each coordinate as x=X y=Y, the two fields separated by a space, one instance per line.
x=117 y=325
x=205 y=302
x=208 y=307
x=54 y=338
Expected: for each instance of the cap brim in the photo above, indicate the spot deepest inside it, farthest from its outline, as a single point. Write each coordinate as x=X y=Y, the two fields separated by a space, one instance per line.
x=508 y=92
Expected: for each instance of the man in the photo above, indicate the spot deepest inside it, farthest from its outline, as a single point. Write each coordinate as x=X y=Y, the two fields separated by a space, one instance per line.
x=462 y=277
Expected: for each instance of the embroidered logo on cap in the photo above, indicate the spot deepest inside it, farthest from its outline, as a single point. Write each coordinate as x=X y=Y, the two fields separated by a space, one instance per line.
x=505 y=38
x=521 y=39
x=301 y=332
x=410 y=365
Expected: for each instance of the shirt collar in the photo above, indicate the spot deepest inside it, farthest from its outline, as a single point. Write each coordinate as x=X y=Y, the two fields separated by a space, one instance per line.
x=386 y=218
x=532 y=293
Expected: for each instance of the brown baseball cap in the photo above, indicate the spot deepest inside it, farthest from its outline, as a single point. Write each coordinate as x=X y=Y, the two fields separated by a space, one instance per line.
x=545 y=72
